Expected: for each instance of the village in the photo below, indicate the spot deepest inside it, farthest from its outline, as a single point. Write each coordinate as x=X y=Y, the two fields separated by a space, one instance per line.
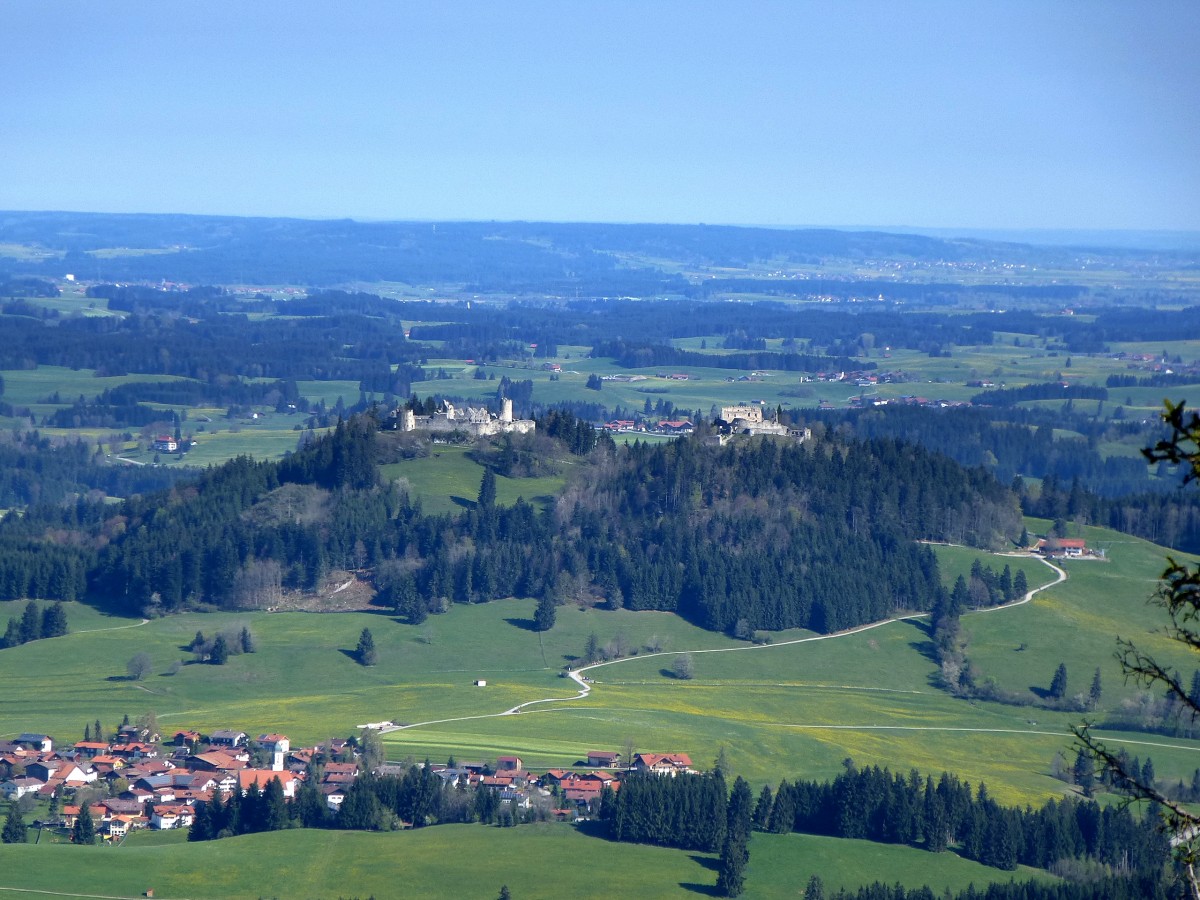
x=139 y=780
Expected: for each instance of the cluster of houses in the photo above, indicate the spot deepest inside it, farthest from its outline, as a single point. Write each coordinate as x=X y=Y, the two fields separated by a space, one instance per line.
x=137 y=781
x=576 y=791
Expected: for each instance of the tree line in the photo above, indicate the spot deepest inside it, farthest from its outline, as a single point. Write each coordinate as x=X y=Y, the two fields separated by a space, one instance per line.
x=878 y=805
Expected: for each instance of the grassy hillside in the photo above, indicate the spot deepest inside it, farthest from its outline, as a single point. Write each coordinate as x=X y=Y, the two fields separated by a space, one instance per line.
x=782 y=710
x=542 y=861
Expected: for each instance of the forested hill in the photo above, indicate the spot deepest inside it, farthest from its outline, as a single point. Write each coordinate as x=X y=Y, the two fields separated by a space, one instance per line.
x=569 y=259
x=754 y=535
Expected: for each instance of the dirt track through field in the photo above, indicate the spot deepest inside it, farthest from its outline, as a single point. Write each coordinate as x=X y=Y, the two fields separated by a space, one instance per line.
x=585 y=684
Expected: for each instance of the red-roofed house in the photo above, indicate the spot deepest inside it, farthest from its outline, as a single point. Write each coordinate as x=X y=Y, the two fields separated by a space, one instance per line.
x=663 y=763
x=262 y=777
x=91 y=748
x=1062 y=546
x=508 y=764
x=166 y=815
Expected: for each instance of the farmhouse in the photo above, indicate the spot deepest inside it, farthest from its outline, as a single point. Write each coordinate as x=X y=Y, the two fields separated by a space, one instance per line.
x=20 y=787
x=166 y=816
x=225 y=738
x=39 y=742
x=664 y=763
x=1071 y=547
x=603 y=759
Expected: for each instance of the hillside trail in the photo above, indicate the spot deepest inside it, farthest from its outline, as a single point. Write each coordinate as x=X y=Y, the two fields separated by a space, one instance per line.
x=114 y=628
x=585 y=683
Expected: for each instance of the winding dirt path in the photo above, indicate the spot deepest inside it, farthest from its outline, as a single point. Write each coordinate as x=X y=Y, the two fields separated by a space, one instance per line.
x=585 y=684
x=114 y=628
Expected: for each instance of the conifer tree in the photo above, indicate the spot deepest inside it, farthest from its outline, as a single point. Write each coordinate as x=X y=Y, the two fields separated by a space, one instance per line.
x=14 y=826
x=487 y=490
x=762 y=810
x=1058 y=685
x=54 y=620
x=84 y=831
x=544 y=616
x=735 y=854
x=365 y=651
x=31 y=623
x=1096 y=690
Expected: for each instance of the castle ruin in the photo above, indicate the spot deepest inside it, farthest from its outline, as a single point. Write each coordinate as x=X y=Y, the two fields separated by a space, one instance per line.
x=476 y=421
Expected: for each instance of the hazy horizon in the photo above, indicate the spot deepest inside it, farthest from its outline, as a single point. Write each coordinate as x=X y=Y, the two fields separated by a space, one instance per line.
x=1014 y=115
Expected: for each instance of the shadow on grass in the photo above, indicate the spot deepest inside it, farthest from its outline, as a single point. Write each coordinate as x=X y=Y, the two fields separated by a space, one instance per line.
x=524 y=624
x=349 y=654
x=705 y=890
x=592 y=828
x=711 y=863
x=463 y=502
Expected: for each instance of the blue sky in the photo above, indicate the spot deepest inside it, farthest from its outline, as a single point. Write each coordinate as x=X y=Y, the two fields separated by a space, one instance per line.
x=969 y=113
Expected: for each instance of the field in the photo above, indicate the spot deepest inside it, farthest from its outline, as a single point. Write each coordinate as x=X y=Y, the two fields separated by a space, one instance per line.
x=781 y=710
x=535 y=861
x=448 y=479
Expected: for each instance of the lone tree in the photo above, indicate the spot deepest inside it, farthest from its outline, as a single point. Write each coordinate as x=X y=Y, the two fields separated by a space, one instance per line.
x=683 y=667
x=139 y=666
x=365 y=651
x=543 y=617
x=1179 y=594
x=1058 y=686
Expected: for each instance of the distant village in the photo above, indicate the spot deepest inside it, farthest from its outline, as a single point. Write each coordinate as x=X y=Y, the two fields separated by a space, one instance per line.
x=138 y=780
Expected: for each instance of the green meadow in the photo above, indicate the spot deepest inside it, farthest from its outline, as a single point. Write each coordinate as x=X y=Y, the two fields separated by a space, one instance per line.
x=447 y=480
x=796 y=707
x=463 y=861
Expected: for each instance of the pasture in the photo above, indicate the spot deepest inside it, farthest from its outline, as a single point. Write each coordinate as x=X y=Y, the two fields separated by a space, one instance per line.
x=535 y=861
x=779 y=710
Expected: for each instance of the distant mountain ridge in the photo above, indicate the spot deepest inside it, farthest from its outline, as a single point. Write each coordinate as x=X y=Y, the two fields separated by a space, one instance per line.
x=572 y=259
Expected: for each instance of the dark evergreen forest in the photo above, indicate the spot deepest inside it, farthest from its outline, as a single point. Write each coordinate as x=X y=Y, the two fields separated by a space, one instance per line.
x=751 y=535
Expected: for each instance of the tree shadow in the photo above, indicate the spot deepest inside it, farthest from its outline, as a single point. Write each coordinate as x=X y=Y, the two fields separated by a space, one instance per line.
x=524 y=624
x=1040 y=692
x=463 y=502
x=705 y=890
x=592 y=828
x=711 y=863
x=349 y=654
x=926 y=648
x=120 y=678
